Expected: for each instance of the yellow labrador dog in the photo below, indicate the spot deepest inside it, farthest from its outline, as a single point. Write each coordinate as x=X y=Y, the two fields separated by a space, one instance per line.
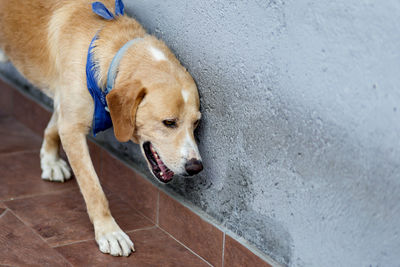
x=102 y=70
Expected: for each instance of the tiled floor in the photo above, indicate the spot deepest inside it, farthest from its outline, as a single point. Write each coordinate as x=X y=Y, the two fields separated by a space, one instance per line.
x=46 y=224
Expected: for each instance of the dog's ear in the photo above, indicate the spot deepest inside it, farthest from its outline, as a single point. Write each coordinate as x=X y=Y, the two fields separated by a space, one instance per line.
x=123 y=103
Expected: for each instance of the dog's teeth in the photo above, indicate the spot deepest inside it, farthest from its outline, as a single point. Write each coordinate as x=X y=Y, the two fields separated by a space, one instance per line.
x=161 y=173
x=156 y=156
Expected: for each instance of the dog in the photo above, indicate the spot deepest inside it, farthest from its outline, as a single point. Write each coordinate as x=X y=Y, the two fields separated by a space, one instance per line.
x=68 y=49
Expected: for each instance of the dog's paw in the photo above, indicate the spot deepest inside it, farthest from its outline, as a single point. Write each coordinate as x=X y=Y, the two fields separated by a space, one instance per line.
x=55 y=170
x=114 y=242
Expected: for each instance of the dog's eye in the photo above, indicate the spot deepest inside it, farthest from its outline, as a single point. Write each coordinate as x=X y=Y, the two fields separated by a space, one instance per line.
x=169 y=123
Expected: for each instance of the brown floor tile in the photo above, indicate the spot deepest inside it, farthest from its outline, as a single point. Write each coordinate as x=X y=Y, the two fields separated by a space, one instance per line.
x=6 y=98
x=20 y=176
x=153 y=248
x=20 y=246
x=61 y=218
x=236 y=255
x=121 y=180
x=16 y=137
x=200 y=236
x=30 y=113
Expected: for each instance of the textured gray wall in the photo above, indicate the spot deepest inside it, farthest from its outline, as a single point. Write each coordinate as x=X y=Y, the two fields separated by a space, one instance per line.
x=301 y=129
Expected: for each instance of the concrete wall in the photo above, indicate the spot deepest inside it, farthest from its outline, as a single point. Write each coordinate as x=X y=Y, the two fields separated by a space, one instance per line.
x=301 y=129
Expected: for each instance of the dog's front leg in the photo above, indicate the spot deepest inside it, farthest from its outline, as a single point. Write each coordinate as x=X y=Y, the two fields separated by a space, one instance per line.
x=109 y=236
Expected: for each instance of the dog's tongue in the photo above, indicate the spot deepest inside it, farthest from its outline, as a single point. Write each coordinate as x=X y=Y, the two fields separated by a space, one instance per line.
x=166 y=173
x=161 y=165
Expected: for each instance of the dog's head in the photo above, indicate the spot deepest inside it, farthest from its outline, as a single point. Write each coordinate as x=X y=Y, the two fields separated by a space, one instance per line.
x=158 y=108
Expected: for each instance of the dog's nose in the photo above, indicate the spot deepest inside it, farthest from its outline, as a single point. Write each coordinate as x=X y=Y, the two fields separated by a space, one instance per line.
x=193 y=166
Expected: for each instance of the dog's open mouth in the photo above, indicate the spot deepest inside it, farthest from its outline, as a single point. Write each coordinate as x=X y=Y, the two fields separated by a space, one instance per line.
x=162 y=172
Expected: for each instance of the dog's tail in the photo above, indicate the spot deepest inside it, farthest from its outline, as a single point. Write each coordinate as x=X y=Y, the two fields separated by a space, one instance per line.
x=3 y=57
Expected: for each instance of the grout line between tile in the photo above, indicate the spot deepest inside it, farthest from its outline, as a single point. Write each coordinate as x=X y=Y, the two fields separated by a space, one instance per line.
x=74 y=242
x=142 y=229
x=19 y=152
x=185 y=246
x=223 y=249
x=4 y=212
x=92 y=239
x=38 y=195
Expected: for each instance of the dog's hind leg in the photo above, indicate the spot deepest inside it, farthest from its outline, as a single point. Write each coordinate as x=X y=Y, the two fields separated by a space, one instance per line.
x=3 y=57
x=53 y=167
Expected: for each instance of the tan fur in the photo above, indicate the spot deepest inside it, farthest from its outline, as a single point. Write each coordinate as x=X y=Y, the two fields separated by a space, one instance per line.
x=47 y=40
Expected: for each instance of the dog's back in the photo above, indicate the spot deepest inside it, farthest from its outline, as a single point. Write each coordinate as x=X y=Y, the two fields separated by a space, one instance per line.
x=23 y=35
x=37 y=35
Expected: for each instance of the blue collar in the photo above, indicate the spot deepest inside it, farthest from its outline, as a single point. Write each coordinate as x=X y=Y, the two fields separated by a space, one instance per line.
x=101 y=116
x=113 y=69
